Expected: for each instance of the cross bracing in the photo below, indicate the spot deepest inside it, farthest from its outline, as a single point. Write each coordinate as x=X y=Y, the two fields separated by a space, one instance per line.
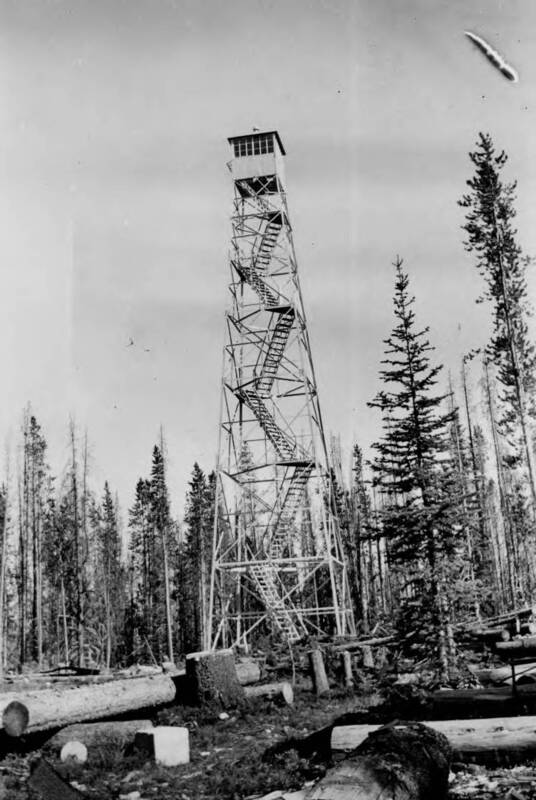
x=278 y=566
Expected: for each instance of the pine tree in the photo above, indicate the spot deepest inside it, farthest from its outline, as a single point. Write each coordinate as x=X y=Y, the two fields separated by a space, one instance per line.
x=413 y=470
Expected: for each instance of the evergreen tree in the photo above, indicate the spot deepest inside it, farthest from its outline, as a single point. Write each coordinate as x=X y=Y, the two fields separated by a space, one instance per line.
x=144 y=566
x=162 y=529
x=492 y=239
x=109 y=575
x=413 y=469
x=35 y=487
x=196 y=559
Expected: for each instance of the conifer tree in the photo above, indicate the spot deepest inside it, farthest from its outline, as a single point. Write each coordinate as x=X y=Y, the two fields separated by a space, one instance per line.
x=195 y=565
x=413 y=469
x=491 y=237
x=109 y=575
x=162 y=527
x=145 y=564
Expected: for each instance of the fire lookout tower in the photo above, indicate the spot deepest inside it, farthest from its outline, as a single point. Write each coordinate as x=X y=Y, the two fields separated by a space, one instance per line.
x=278 y=565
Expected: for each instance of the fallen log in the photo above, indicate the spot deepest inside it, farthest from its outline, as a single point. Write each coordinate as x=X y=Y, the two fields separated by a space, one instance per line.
x=498 y=739
x=489 y=702
x=491 y=635
x=525 y=673
x=508 y=618
x=43 y=709
x=378 y=641
x=271 y=691
x=399 y=761
x=213 y=679
x=518 y=648
x=97 y=736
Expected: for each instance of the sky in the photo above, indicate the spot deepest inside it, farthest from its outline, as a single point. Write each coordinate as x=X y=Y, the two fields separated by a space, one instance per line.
x=115 y=200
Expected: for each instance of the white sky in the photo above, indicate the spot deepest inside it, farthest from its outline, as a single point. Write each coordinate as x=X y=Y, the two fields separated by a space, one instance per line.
x=115 y=198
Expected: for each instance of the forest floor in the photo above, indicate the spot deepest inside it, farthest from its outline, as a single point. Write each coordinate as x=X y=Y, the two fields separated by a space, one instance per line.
x=228 y=760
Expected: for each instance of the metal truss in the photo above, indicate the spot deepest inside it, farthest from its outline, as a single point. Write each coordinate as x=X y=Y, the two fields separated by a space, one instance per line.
x=278 y=565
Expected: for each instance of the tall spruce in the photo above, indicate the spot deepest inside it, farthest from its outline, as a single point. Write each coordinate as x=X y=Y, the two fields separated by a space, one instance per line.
x=162 y=527
x=195 y=564
x=492 y=239
x=142 y=571
x=109 y=575
x=413 y=471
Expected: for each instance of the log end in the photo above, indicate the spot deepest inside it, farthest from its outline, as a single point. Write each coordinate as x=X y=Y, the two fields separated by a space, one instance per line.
x=15 y=718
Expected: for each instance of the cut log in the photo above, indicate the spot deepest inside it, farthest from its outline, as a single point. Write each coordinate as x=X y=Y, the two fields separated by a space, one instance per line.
x=494 y=740
x=376 y=642
x=47 y=784
x=491 y=635
x=318 y=672
x=518 y=648
x=271 y=691
x=400 y=761
x=248 y=671
x=525 y=673
x=97 y=736
x=43 y=709
x=490 y=702
x=213 y=678
x=74 y=751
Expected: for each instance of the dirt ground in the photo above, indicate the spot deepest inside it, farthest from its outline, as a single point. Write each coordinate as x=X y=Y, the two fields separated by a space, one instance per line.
x=227 y=760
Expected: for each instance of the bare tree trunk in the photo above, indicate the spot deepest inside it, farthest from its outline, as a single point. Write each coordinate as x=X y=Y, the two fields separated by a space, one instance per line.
x=78 y=546
x=169 y=629
x=168 y=600
x=504 y=505
x=64 y=617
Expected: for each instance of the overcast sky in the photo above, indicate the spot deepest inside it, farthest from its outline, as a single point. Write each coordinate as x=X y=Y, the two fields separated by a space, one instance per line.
x=115 y=198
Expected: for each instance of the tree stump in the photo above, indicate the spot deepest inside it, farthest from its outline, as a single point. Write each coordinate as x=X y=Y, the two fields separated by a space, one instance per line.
x=346 y=663
x=400 y=761
x=212 y=678
x=368 y=658
x=318 y=672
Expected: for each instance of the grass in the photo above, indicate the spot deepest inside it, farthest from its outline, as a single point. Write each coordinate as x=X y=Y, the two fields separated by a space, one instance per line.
x=226 y=755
